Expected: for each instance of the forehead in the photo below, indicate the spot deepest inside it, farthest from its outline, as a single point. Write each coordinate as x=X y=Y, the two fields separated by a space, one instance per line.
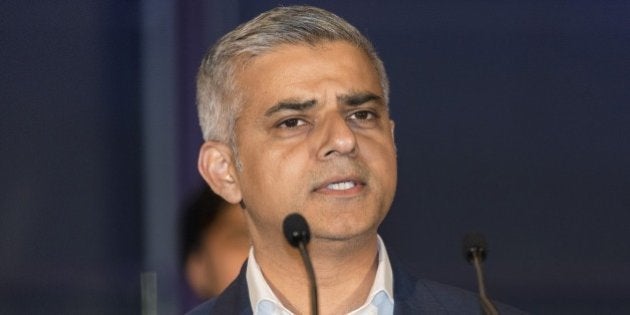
x=289 y=70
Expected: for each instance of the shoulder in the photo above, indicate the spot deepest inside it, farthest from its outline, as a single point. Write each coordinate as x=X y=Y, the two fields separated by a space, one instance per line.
x=203 y=309
x=418 y=296
x=234 y=300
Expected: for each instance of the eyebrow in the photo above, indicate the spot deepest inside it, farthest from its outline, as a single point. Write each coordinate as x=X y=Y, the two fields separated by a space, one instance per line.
x=357 y=99
x=354 y=99
x=290 y=105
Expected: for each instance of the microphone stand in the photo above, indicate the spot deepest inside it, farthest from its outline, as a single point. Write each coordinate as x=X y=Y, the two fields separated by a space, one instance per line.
x=486 y=305
x=298 y=234
x=311 y=275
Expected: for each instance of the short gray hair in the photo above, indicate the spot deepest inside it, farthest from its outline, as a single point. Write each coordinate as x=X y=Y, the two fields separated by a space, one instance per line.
x=219 y=100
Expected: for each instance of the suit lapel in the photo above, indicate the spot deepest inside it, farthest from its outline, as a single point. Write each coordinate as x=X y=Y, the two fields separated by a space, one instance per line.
x=235 y=297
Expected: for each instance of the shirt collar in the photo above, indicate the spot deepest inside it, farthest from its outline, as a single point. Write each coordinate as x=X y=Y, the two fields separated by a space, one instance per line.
x=261 y=298
x=380 y=299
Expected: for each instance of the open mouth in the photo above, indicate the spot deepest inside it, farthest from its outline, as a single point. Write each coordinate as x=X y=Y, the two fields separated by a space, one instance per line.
x=345 y=185
x=341 y=186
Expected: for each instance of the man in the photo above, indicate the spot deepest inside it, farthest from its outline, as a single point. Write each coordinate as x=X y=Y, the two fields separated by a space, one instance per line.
x=214 y=243
x=294 y=110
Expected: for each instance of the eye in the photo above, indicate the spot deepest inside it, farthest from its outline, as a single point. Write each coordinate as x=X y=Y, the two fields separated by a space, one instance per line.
x=363 y=115
x=291 y=123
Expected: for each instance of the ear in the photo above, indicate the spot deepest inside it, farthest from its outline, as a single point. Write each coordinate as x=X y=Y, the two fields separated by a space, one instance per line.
x=217 y=167
x=393 y=125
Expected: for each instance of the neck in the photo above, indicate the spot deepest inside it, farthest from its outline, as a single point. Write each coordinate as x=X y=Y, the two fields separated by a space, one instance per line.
x=344 y=271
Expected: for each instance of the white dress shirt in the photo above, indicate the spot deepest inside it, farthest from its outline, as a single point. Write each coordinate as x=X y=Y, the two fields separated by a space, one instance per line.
x=380 y=301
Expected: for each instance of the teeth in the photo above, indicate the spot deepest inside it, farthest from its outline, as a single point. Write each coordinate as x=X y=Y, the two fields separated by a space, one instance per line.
x=341 y=186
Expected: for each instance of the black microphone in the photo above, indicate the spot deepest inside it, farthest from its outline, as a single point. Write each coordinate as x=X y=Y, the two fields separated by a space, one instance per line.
x=474 y=247
x=298 y=234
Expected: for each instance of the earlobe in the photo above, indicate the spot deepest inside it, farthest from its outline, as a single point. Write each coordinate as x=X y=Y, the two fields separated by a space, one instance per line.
x=216 y=166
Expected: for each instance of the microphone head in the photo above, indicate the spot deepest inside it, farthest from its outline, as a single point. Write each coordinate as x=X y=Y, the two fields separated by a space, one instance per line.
x=296 y=229
x=474 y=243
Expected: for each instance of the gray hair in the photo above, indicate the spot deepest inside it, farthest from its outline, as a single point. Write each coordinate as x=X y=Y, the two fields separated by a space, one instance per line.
x=218 y=98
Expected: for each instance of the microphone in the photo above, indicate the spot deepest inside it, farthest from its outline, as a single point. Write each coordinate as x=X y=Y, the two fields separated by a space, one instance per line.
x=298 y=234
x=474 y=248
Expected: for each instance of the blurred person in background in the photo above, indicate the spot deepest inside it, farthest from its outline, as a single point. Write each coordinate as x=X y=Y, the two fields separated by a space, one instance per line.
x=214 y=243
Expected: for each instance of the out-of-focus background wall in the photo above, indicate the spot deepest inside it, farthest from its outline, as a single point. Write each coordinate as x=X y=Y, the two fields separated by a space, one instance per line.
x=512 y=118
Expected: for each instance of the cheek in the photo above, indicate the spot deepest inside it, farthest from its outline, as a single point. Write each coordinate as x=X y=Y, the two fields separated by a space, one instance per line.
x=273 y=169
x=382 y=153
x=388 y=173
x=381 y=158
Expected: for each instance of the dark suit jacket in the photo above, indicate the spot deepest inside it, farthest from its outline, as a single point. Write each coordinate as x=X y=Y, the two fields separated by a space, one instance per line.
x=411 y=296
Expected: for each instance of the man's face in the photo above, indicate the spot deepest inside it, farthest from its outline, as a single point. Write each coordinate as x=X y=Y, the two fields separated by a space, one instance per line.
x=315 y=137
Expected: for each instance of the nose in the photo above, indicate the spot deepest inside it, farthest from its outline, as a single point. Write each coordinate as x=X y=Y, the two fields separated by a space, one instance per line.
x=336 y=138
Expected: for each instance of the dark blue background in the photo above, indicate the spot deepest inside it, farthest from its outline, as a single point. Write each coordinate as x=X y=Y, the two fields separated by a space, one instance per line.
x=512 y=118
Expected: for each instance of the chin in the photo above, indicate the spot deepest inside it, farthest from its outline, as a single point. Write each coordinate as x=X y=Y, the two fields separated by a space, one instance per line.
x=344 y=232
x=347 y=224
